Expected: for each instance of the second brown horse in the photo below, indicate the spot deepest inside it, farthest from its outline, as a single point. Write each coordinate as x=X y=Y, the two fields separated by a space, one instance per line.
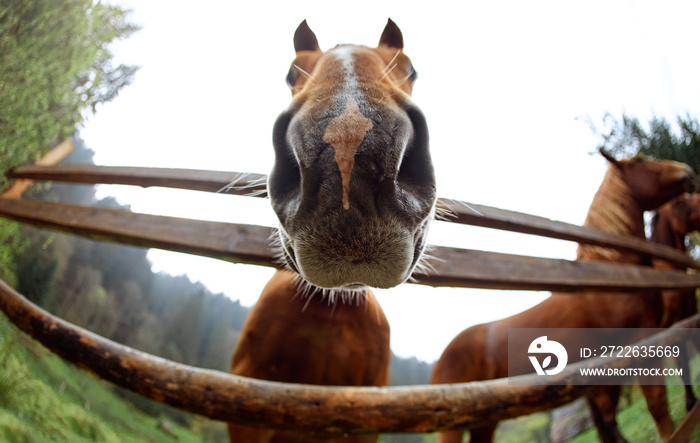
x=670 y=226
x=629 y=188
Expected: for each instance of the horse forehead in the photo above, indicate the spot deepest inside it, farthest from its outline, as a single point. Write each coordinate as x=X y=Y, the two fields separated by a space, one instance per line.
x=349 y=69
x=671 y=167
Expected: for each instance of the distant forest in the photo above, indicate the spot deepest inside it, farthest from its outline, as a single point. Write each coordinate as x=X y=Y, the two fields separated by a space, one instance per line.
x=110 y=289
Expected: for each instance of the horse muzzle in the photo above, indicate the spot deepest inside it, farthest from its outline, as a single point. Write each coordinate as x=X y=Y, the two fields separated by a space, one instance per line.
x=367 y=228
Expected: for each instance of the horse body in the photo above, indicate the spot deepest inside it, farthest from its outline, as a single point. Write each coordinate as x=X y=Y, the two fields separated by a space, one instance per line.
x=300 y=336
x=670 y=225
x=629 y=188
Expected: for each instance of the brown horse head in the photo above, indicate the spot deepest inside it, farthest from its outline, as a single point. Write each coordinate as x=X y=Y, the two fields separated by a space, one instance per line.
x=676 y=219
x=683 y=214
x=629 y=188
x=353 y=183
x=652 y=183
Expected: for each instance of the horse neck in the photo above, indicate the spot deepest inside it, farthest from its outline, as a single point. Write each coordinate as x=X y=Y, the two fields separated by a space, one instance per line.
x=613 y=210
x=664 y=233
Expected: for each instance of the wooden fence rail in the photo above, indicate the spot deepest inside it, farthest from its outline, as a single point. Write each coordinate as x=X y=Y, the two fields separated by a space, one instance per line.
x=221 y=396
x=255 y=185
x=251 y=244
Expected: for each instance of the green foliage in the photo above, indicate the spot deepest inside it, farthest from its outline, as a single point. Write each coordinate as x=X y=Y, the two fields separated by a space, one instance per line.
x=42 y=398
x=55 y=68
x=11 y=243
x=636 y=423
x=110 y=289
x=408 y=438
x=409 y=371
x=629 y=137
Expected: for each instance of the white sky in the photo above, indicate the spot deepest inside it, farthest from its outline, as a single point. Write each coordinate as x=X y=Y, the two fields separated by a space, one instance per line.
x=504 y=86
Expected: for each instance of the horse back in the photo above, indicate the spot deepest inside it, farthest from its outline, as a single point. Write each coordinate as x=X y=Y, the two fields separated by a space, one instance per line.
x=288 y=337
x=465 y=358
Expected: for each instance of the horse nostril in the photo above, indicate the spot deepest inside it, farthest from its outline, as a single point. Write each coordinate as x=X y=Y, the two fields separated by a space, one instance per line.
x=285 y=179
x=416 y=175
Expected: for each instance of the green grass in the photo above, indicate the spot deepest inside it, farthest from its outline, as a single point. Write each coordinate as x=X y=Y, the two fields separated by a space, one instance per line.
x=636 y=423
x=42 y=398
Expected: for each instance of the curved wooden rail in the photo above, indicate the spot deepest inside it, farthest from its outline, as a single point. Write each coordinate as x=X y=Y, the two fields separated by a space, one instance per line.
x=243 y=400
x=255 y=185
x=251 y=244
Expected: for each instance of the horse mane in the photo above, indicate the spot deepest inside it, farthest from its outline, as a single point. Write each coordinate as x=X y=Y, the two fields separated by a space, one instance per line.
x=614 y=210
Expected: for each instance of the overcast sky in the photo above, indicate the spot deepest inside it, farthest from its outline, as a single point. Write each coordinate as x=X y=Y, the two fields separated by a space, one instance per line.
x=506 y=87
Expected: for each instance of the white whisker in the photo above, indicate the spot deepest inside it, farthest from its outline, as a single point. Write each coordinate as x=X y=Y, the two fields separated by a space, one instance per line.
x=392 y=60
x=278 y=250
x=303 y=72
x=468 y=206
x=444 y=213
x=260 y=182
x=388 y=72
x=444 y=207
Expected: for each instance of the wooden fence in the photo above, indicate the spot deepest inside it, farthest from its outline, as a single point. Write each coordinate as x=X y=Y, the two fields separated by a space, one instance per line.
x=334 y=409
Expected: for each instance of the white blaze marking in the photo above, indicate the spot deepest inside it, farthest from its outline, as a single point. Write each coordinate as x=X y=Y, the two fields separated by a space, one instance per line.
x=346 y=131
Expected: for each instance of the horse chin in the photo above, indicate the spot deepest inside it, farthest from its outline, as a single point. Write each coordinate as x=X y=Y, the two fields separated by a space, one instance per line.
x=381 y=259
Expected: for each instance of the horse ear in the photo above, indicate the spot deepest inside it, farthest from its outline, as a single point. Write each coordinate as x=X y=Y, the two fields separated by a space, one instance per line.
x=391 y=37
x=609 y=157
x=305 y=39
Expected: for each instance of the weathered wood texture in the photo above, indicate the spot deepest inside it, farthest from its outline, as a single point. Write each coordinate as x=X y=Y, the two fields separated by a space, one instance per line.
x=495 y=218
x=226 y=241
x=198 y=180
x=255 y=185
x=243 y=400
x=250 y=244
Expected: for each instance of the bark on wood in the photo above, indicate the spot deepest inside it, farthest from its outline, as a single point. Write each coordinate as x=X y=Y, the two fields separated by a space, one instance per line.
x=495 y=218
x=232 y=242
x=197 y=180
x=251 y=244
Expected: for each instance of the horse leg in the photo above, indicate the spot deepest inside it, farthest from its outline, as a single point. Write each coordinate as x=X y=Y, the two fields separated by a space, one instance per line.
x=482 y=434
x=682 y=363
x=657 y=404
x=603 y=405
